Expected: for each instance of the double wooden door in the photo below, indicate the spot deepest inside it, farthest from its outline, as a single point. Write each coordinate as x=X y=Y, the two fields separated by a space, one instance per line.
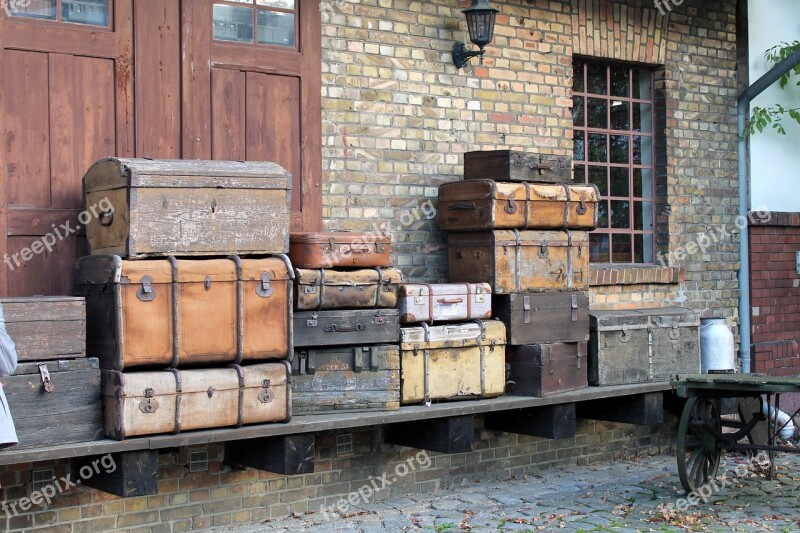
x=157 y=80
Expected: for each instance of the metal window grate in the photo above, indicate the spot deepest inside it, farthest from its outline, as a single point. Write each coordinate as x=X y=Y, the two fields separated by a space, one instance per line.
x=41 y=478
x=344 y=444
x=198 y=461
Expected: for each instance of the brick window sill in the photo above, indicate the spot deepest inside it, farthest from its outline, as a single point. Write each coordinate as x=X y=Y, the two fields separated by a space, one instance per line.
x=603 y=274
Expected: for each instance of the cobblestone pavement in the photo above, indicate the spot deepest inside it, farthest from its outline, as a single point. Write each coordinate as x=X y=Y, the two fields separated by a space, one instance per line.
x=623 y=496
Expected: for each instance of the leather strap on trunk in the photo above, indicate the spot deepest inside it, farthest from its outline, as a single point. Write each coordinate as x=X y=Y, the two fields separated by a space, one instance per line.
x=518 y=261
x=178 y=393
x=566 y=207
x=321 y=288
x=569 y=259
x=482 y=350
x=240 y=410
x=176 y=338
x=239 y=310
x=426 y=356
x=379 y=288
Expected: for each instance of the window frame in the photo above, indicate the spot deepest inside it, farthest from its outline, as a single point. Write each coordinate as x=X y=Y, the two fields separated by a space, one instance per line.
x=255 y=8
x=108 y=26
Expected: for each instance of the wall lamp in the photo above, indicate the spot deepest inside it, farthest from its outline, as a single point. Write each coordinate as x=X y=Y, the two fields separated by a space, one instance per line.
x=480 y=21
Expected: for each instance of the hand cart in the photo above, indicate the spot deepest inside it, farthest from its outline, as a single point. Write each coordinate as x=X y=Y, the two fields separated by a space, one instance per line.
x=701 y=439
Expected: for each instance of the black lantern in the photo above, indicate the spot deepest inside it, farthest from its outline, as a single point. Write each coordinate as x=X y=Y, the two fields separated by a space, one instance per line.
x=480 y=21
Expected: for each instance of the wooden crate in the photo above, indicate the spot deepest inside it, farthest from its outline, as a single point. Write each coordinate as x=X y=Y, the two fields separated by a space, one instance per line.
x=46 y=327
x=546 y=369
x=513 y=165
x=544 y=316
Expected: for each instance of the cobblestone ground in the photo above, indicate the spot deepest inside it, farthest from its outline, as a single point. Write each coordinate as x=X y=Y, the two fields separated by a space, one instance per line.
x=624 y=496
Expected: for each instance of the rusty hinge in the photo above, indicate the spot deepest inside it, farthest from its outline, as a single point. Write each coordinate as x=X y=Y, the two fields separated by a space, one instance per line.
x=44 y=374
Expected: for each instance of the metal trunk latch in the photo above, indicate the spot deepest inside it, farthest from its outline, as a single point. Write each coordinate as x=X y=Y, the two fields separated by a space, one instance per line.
x=674 y=332
x=207 y=283
x=265 y=395
x=543 y=251
x=526 y=309
x=581 y=209
x=574 y=307
x=624 y=336
x=45 y=375
x=149 y=404
x=264 y=289
x=511 y=207
x=146 y=292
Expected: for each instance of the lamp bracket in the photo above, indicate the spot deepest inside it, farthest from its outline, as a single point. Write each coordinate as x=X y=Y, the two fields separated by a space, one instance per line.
x=461 y=55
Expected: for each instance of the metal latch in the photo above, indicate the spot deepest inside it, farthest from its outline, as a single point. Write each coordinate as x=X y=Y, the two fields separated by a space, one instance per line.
x=312 y=322
x=543 y=251
x=264 y=289
x=674 y=332
x=574 y=307
x=146 y=292
x=207 y=283
x=511 y=207
x=266 y=395
x=149 y=404
x=45 y=375
x=526 y=309
x=581 y=209
x=624 y=336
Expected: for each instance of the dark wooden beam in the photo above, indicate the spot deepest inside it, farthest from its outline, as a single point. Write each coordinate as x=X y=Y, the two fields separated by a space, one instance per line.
x=551 y=422
x=641 y=409
x=446 y=435
x=124 y=474
x=285 y=454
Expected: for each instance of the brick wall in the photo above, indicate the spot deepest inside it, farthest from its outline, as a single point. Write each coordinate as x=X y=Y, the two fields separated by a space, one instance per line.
x=397 y=117
x=222 y=496
x=775 y=294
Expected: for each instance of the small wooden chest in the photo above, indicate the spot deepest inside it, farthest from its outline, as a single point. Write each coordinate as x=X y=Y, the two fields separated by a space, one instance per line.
x=546 y=369
x=51 y=327
x=643 y=345
x=145 y=208
x=544 y=316
x=55 y=402
x=511 y=165
x=362 y=378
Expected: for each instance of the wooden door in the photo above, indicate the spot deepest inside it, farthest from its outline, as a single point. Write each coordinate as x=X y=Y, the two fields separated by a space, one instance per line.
x=65 y=101
x=251 y=90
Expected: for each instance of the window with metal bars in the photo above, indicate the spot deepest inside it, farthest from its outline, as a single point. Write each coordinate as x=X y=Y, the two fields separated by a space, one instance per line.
x=265 y=22
x=613 y=116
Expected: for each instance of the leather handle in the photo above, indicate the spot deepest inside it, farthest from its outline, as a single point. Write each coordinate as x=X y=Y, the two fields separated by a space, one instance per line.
x=462 y=207
x=450 y=300
x=333 y=328
x=365 y=249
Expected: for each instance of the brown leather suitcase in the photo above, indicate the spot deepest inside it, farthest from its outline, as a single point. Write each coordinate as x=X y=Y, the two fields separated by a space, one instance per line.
x=346 y=327
x=339 y=249
x=346 y=289
x=514 y=261
x=346 y=378
x=452 y=362
x=148 y=208
x=46 y=327
x=544 y=317
x=511 y=165
x=167 y=312
x=171 y=401
x=487 y=205
x=546 y=369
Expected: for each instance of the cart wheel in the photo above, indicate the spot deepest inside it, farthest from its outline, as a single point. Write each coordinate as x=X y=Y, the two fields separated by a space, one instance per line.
x=698 y=453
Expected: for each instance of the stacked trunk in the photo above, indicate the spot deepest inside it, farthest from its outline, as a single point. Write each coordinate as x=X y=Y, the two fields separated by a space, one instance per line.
x=346 y=326
x=517 y=224
x=189 y=293
x=54 y=394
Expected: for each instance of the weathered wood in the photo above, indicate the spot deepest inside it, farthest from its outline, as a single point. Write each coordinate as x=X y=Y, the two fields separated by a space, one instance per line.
x=550 y=422
x=289 y=455
x=543 y=317
x=125 y=474
x=511 y=165
x=346 y=289
x=545 y=369
x=452 y=362
x=444 y=435
x=642 y=409
x=513 y=261
x=342 y=328
x=46 y=327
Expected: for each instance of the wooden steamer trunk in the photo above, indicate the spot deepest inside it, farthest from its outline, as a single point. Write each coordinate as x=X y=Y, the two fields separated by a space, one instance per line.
x=168 y=312
x=339 y=249
x=452 y=362
x=171 y=401
x=148 y=208
x=514 y=261
x=335 y=289
x=362 y=378
x=546 y=369
x=55 y=402
x=354 y=327
x=544 y=317
x=489 y=205
x=419 y=302
x=510 y=165
x=643 y=345
x=46 y=327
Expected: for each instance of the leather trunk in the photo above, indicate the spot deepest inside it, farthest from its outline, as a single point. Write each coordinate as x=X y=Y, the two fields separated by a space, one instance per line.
x=546 y=369
x=419 y=302
x=339 y=249
x=488 y=205
x=353 y=327
x=147 y=208
x=513 y=261
x=361 y=378
x=511 y=165
x=46 y=327
x=643 y=345
x=171 y=401
x=346 y=289
x=544 y=317
x=176 y=313
x=70 y=411
x=452 y=362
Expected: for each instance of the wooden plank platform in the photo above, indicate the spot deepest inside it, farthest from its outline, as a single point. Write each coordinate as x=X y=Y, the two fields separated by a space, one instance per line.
x=323 y=422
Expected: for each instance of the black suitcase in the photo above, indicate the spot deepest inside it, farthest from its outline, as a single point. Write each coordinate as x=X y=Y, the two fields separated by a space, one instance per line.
x=338 y=327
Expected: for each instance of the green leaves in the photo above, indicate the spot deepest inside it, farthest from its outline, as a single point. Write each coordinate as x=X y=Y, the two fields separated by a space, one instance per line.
x=764 y=117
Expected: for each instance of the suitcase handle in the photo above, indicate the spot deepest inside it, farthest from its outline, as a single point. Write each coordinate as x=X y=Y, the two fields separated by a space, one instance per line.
x=450 y=300
x=106 y=217
x=333 y=328
x=462 y=207
x=363 y=249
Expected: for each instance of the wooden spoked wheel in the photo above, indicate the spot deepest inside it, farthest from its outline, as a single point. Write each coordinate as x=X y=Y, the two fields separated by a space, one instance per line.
x=698 y=450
